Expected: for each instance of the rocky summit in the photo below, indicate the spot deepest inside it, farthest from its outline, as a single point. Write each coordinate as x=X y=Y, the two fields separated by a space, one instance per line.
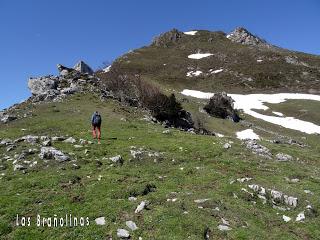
x=204 y=135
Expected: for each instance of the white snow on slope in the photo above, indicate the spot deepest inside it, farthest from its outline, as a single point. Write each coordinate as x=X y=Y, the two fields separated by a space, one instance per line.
x=194 y=73
x=216 y=71
x=247 y=134
x=107 y=69
x=256 y=101
x=278 y=113
x=190 y=33
x=199 y=55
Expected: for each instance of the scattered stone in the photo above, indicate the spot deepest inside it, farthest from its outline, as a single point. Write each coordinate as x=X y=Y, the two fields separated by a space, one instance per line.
x=258 y=149
x=77 y=146
x=117 y=159
x=167 y=131
x=11 y=147
x=30 y=139
x=281 y=157
x=245 y=179
x=308 y=192
x=224 y=227
x=47 y=143
x=300 y=217
x=201 y=200
x=70 y=140
x=291 y=201
x=6 y=142
x=100 y=221
x=141 y=206
x=123 y=233
x=293 y=180
x=285 y=218
x=227 y=146
x=131 y=225
x=51 y=152
x=18 y=167
x=58 y=138
x=132 y=199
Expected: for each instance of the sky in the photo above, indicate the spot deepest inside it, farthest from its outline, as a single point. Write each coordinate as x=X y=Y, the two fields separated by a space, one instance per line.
x=36 y=35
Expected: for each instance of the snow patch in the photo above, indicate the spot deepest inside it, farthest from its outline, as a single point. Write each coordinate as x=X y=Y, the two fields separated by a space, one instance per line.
x=256 y=101
x=107 y=69
x=247 y=134
x=191 y=33
x=278 y=114
x=199 y=55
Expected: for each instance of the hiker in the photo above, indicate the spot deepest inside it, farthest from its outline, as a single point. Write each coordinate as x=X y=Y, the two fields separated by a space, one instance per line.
x=96 y=125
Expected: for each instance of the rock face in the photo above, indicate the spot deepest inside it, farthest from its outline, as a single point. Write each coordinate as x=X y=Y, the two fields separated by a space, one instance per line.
x=243 y=36
x=167 y=38
x=42 y=85
x=221 y=106
x=82 y=67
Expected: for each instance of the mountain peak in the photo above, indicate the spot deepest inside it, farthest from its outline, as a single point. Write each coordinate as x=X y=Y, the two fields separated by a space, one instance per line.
x=243 y=36
x=167 y=38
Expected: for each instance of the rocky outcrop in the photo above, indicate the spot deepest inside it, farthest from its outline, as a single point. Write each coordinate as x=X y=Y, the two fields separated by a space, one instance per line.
x=167 y=38
x=43 y=85
x=221 y=106
x=52 y=153
x=243 y=36
x=82 y=67
x=70 y=81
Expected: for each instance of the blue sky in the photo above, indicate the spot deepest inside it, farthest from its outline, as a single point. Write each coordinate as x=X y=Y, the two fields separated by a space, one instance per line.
x=36 y=34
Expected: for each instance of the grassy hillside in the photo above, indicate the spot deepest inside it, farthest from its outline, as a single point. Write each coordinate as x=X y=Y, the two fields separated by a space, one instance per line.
x=189 y=167
x=245 y=68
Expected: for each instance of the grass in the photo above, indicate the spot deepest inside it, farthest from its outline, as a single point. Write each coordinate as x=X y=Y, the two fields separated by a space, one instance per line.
x=191 y=167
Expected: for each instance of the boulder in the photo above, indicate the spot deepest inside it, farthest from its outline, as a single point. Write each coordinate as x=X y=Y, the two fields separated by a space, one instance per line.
x=123 y=233
x=283 y=157
x=141 y=206
x=131 y=225
x=117 y=159
x=221 y=106
x=42 y=85
x=82 y=67
x=100 y=221
x=52 y=153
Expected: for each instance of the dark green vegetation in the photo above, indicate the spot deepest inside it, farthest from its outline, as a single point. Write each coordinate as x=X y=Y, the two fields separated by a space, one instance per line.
x=191 y=167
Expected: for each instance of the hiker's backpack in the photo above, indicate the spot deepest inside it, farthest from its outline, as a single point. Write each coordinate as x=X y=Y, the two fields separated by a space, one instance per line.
x=97 y=119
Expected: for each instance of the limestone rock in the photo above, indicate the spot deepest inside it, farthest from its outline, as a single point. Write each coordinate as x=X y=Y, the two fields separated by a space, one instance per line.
x=82 y=67
x=100 y=221
x=131 y=225
x=52 y=153
x=243 y=36
x=123 y=233
x=283 y=157
x=42 y=85
x=167 y=38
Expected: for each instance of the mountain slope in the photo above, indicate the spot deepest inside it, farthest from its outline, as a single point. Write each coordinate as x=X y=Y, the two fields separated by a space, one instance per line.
x=248 y=63
x=188 y=186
